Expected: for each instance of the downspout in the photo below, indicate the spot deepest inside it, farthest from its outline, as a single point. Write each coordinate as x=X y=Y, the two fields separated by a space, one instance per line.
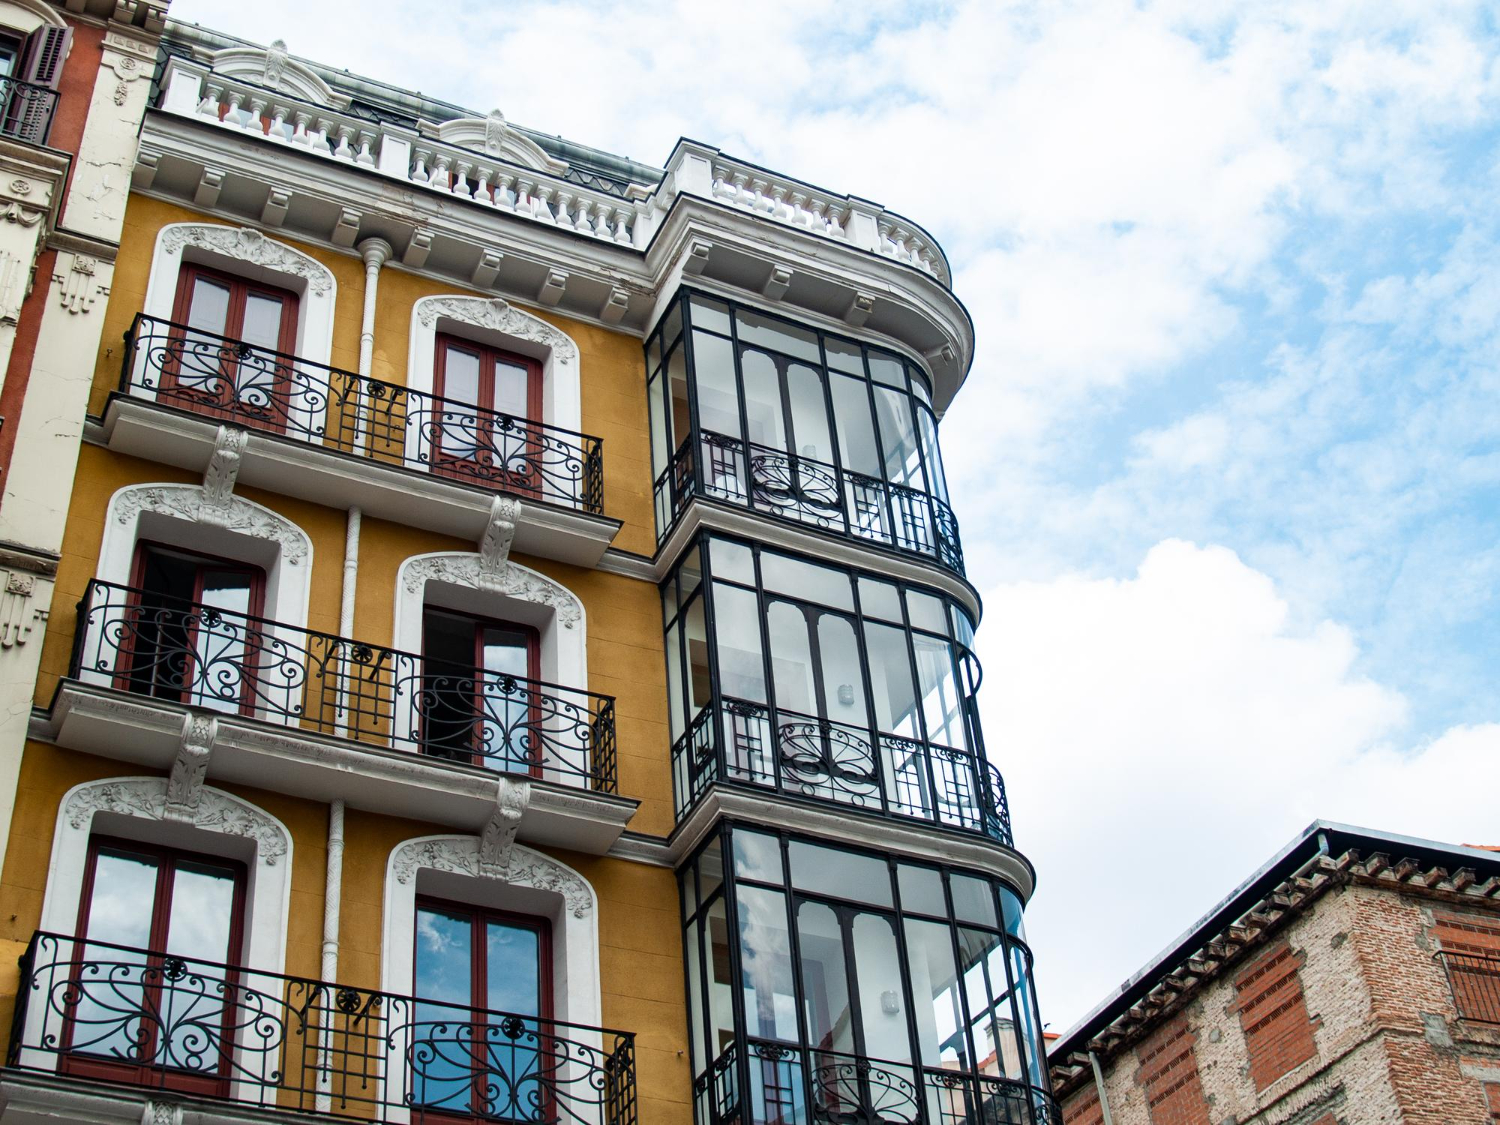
x=1099 y=1086
x=376 y=252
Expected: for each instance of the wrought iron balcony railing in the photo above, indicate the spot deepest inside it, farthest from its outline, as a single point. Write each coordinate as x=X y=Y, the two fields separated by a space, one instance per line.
x=740 y=742
x=274 y=392
x=133 y=1017
x=236 y=664
x=28 y=110
x=782 y=1083
x=1475 y=981
x=810 y=492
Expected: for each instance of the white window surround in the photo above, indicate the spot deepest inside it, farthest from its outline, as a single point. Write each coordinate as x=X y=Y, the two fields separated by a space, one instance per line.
x=490 y=320
x=188 y=516
x=250 y=254
x=28 y=15
x=508 y=592
x=221 y=824
x=448 y=867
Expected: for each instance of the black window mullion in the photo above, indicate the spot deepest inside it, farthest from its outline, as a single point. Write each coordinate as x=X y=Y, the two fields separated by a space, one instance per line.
x=872 y=723
x=743 y=453
x=925 y=741
x=789 y=897
x=773 y=711
x=909 y=998
x=833 y=435
x=690 y=370
x=887 y=493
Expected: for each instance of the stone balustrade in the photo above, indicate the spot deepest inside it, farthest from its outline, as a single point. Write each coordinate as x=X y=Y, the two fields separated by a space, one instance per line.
x=627 y=218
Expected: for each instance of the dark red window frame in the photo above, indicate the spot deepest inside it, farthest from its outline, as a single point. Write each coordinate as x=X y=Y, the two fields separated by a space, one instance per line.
x=480 y=623
x=479 y=979
x=127 y=672
x=224 y=402
x=168 y=861
x=487 y=432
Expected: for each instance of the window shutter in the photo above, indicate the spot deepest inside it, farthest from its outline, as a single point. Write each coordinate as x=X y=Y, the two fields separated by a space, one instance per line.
x=29 y=116
x=42 y=61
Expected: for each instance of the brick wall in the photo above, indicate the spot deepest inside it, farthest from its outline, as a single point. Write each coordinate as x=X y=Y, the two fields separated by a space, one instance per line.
x=1273 y=1015
x=1084 y=1109
x=1169 y=1076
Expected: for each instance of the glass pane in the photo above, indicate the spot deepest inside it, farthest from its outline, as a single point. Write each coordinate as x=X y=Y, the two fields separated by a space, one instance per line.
x=676 y=705
x=878 y=971
x=851 y=408
x=660 y=449
x=718 y=398
x=676 y=377
x=843 y=678
x=840 y=874
x=763 y=400
x=442 y=1050
x=507 y=736
x=885 y=368
x=222 y=646
x=203 y=357
x=513 y=968
x=671 y=326
x=921 y=890
x=941 y=707
x=844 y=356
x=991 y=1017
x=825 y=980
x=937 y=1004
x=721 y=984
x=972 y=900
x=898 y=436
x=696 y=1014
x=710 y=314
x=192 y=1006
x=879 y=599
x=732 y=560
x=256 y=374
x=891 y=681
x=460 y=375
x=927 y=429
x=1031 y=1031
x=919 y=383
x=766 y=964
x=106 y=1018
x=1010 y=906
x=458 y=418
x=809 y=412
x=791 y=659
x=776 y=335
x=742 y=673
x=806 y=581
x=262 y=325
x=926 y=612
x=208 y=308
x=512 y=389
x=700 y=682
x=757 y=856
x=710 y=870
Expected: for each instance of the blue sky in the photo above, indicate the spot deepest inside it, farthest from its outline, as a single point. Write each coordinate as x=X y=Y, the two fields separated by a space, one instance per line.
x=1228 y=461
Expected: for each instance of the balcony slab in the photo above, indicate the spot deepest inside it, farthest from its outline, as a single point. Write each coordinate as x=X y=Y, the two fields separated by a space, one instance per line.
x=285 y=759
x=341 y=480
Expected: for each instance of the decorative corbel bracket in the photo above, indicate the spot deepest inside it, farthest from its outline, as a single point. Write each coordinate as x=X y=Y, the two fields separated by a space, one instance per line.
x=494 y=546
x=185 y=784
x=861 y=305
x=553 y=287
x=615 y=306
x=777 y=284
x=499 y=834
x=696 y=260
x=223 y=469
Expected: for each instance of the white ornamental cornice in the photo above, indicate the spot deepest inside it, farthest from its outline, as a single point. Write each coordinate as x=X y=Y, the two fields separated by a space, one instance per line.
x=214 y=811
x=499 y=316
x=522 y=867
x=509 y=579
x=246 y=245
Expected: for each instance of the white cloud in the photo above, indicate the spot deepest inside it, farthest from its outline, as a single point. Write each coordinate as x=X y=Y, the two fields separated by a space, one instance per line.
x=1162 y=735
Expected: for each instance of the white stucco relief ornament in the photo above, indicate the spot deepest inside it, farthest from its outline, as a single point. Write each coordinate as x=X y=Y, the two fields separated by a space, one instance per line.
x=522 y=868
x=510 y=580
x=246 y=245
x=190 y=502
x=147 y=797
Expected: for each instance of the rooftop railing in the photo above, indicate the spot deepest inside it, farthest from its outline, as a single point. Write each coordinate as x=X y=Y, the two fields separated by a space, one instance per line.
x=214 y=659
x=129 y=1017
x=739 y=742
x=274 y=392
x=558 y=197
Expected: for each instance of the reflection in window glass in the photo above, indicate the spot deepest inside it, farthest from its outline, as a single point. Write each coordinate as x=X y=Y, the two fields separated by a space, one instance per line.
x=825 y=979
x=710 y=314
x=695 y=995
x=842 y=874
x=926 y=612
x=776 y=335
x=858 y=451
x=942 y=708
x=890 y=680
x=763 y=401
x=898 y=437
x=972 y=901
x=887 y=369
x=766 y=964
x=879 y=599
x=732 y=560
x=1010 y=906
x=928 y=431
x=658 y=408
x=804 y=387
x=718 y=399
x=737 y=632
x=721 y=978
x=674 y=680
x=806 y=581
x=936 y=1003
x=700 y=681
x=710 y=870
x=672 y=325
x=679 y=415
x=843 y=356
x=757 y=856
x=791 y=659
x=843 y=681
x=921 y=890
x=987 y=992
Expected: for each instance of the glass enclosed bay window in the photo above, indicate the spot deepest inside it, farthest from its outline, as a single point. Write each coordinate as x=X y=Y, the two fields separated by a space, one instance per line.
x=763 y=413
x=833 y=985
x=824 y=682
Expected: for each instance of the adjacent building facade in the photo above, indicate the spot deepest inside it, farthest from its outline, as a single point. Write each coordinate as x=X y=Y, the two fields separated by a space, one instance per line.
x=1354 y=980
x=511 y=657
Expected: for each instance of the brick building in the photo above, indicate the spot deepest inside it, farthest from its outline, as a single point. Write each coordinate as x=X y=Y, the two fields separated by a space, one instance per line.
x=1353 y=980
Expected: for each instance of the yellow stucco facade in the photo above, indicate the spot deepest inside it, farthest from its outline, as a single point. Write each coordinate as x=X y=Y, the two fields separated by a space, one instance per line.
x=640 y=971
